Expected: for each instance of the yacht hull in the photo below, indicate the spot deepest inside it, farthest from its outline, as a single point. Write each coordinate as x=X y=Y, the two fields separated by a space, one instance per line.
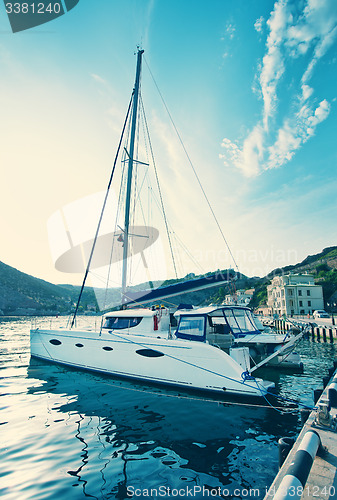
x=188 y=364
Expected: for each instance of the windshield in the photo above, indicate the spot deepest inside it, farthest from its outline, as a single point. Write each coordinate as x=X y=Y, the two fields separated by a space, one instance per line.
x=120 y=323
x=240 y=321
x=191 y=327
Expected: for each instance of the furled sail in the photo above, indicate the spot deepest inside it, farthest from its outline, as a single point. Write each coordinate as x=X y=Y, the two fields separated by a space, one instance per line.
x=191 y=285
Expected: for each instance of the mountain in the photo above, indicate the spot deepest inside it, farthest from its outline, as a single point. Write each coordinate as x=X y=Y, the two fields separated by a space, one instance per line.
x=22 y=294
x=327 y=258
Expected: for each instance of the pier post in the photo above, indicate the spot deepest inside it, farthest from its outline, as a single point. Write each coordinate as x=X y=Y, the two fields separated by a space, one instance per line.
x=284 y=446
x=291 y=486
x=317 y=394
x=324 y=335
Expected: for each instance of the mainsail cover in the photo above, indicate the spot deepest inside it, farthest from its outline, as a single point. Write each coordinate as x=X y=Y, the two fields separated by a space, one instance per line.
x=191 y=285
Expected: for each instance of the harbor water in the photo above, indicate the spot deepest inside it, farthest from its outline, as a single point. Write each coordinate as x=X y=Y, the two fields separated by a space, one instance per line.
x=73 y=434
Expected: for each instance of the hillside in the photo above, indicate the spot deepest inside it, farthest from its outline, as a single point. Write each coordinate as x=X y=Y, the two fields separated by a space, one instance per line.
x=327 y=257
x=22 y=294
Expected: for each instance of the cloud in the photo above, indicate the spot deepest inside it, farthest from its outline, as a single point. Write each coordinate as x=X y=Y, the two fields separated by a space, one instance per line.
x=273 y=65
x=227 y=38
x=294 y=33
x=296 y=132
x=259 y=24
x=98 y=79
x=230 y=30
x=306 y=92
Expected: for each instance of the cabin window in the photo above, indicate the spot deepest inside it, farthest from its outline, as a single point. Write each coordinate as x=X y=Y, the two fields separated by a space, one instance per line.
x=192 y=326
x=218 y=325
x=150 y=353
x=119 y=323
x=55 y=342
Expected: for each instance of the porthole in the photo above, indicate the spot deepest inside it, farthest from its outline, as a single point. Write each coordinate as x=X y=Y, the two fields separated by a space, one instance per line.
x=79 y=345
x=55 y=342
x=150 y=353
x=107 y=348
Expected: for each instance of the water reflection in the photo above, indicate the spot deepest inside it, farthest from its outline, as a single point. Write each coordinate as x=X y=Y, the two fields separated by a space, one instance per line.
x=69 y=434
x=139 y=436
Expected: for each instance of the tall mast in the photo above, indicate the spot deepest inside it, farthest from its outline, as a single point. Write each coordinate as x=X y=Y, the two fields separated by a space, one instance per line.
x=130 y=169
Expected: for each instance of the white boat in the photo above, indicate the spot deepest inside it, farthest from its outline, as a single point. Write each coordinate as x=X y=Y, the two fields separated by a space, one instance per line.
x=138 y=343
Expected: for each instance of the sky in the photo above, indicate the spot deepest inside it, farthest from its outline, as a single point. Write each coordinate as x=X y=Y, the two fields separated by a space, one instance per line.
x=251 y=87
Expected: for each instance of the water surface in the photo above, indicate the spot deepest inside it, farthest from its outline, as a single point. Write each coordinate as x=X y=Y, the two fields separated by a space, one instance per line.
x=72 y=434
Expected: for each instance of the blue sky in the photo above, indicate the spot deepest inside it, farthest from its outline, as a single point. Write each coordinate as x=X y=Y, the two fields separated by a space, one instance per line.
x=251 y=85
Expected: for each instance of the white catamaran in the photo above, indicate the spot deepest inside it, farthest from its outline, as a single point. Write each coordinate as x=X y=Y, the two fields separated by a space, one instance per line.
x=140 y=343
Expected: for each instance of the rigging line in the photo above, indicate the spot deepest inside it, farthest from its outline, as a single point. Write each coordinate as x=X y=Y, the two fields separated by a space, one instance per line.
x=102 y=212
x=153 y=196
x=107 y=281
x=119 y=204
x=158 y=185
x=188 y=253
x=179 y=240
x=192 y=166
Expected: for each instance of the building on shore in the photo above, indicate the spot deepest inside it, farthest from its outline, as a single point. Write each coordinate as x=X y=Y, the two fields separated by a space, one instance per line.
x=264 y=310
x=240 y=298
x=294 y=294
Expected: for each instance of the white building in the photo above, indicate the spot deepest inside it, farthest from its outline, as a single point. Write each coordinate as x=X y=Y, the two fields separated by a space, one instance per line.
x=294 y=294
x=240 y=298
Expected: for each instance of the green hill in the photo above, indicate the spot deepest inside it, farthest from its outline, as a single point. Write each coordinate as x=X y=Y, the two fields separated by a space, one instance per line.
x=22 y=294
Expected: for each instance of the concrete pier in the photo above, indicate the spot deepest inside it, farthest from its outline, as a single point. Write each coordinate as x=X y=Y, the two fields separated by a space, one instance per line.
x=321 y=483
x=322 y=331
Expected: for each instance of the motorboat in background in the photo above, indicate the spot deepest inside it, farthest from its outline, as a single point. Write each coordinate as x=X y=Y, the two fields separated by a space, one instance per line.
x=224 y=326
